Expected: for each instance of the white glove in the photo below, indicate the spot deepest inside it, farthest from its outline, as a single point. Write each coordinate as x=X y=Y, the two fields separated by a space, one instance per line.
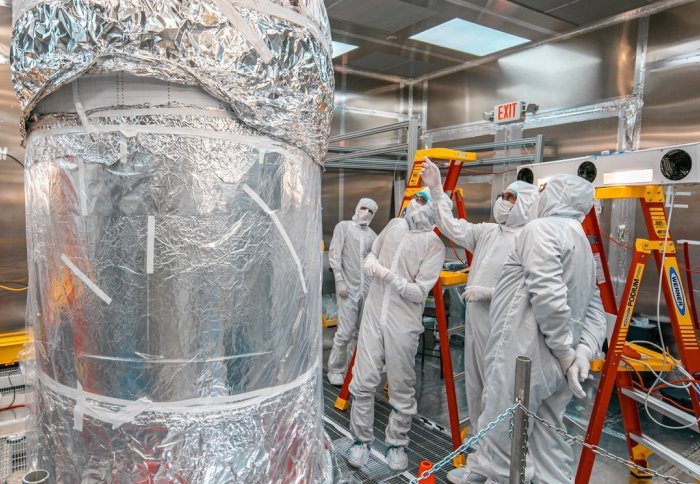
x=341 y=289
x=477 y=293
x=578 y=370
x=381 y=271
x=370 y=265
x=431 y=175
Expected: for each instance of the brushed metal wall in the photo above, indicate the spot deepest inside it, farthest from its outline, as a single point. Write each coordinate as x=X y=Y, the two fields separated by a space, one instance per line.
x=578 y=71
x=13 y=245
x=376 y=185
x=671 y=112
x=581 y=70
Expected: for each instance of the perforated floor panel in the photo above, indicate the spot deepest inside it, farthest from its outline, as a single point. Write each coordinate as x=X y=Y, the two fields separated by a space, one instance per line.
x=428 y=442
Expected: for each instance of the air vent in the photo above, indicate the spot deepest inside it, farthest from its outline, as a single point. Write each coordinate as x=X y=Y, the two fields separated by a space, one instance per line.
x=526 y=175
x=587 y=171
x=676 y=165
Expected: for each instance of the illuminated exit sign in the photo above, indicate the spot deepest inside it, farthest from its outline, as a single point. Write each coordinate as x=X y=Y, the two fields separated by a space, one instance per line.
x=509 y=112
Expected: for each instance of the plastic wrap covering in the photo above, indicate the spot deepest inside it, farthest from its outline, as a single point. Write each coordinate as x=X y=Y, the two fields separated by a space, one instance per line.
x=268 y=59
x=175 y=303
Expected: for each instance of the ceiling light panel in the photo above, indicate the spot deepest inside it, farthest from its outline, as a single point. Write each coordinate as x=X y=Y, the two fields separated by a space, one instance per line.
x=464 y=36
x=340 y=48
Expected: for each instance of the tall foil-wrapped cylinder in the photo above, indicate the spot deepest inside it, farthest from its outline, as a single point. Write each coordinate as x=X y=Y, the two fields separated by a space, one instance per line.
x=173 y=159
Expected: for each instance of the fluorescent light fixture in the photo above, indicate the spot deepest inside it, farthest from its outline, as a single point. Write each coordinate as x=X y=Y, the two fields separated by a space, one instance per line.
x=627 y=177
x=340 y=48
x=465 y=36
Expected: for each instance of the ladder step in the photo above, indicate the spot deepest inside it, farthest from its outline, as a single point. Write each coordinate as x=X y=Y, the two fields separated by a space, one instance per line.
x=667 y=454
x=456 y=330
x=662 y=407
x=459 y=376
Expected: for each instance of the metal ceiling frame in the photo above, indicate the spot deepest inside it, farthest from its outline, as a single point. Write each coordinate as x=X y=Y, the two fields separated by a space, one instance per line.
x=640 y=12
x=608 y=22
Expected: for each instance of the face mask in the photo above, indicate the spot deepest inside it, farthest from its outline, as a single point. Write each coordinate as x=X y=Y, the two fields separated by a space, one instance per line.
x=501 y=210
x=420 y=219
x=364 y=217
x=413 y=206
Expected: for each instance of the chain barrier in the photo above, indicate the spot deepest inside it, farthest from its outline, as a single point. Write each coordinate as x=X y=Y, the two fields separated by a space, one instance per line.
x=466 y=447
x=523 y=448
x=600 y=451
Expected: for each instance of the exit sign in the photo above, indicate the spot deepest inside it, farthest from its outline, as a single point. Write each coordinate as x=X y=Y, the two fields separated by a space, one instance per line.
x=508 y=112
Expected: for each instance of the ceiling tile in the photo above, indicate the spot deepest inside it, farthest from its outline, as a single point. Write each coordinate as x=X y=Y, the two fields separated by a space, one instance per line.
x=393 y=64
x=387 y=15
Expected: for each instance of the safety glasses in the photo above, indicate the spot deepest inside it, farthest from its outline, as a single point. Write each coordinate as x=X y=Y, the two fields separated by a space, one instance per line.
x=419 y=199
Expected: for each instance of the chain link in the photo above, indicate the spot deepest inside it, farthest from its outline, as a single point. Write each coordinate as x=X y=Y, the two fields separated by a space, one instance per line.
x=600 y=450
x=466 y=447
x=524 y=443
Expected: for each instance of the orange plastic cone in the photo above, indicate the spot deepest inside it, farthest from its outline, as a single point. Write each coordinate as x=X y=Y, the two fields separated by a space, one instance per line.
x=424 y=466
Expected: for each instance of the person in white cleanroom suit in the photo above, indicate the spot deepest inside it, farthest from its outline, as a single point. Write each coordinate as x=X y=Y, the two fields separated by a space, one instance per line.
x=490 y=245
x=545 y=306
x=351 y=242
x=405 y=263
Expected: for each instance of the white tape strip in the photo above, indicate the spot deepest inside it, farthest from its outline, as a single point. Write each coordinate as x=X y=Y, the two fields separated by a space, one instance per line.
x=245 y=29
x=689 y=242
x=262 y=6
x=113 y=113
x=154 y=359
x=81 y=110
x=269 y=8
x=150 y=243
x=123 y=149
x=82 y=194
x=96 y=406
x=290 y=152
x=281 y=230
x=93 y=287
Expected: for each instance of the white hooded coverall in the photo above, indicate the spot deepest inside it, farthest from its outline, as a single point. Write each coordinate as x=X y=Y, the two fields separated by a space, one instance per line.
x=392 y=323
x=350 y=245
x=545 y=303
x=490 y=245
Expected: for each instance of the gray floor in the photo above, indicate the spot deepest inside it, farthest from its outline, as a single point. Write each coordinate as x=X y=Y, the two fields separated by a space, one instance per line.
x=432 y=406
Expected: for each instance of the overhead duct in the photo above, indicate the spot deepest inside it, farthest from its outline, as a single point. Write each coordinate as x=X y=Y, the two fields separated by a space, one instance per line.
x=173 y=200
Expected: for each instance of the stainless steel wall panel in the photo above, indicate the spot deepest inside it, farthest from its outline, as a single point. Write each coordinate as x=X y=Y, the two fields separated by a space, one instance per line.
x=582 y=70
x=577 y=139
x=674 y=32
x=13 y=246
x=356 y=184
x=671 y=112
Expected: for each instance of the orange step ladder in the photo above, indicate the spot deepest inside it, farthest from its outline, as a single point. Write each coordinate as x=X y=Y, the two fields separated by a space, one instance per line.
x=660 y=243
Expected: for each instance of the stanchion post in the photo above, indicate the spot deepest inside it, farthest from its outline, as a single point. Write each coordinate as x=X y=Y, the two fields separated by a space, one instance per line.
x=518 y=447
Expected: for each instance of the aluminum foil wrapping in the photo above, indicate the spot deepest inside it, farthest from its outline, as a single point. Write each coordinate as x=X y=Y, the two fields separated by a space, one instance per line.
x=268 y=59
x=175 y=303
x=174 y=246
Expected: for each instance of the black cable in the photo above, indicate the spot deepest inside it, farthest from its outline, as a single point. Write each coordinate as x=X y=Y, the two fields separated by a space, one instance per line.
x=14 y=390
x=22 y=164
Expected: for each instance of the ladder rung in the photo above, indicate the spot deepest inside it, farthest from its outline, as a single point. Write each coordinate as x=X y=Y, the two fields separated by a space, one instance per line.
x=459 y=376
x=464 y=421
x=667 y=454
x=455 y=330
x=662 y=407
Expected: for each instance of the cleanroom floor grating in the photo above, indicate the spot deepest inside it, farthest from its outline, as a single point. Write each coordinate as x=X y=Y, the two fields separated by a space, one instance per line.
x=427 y=443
